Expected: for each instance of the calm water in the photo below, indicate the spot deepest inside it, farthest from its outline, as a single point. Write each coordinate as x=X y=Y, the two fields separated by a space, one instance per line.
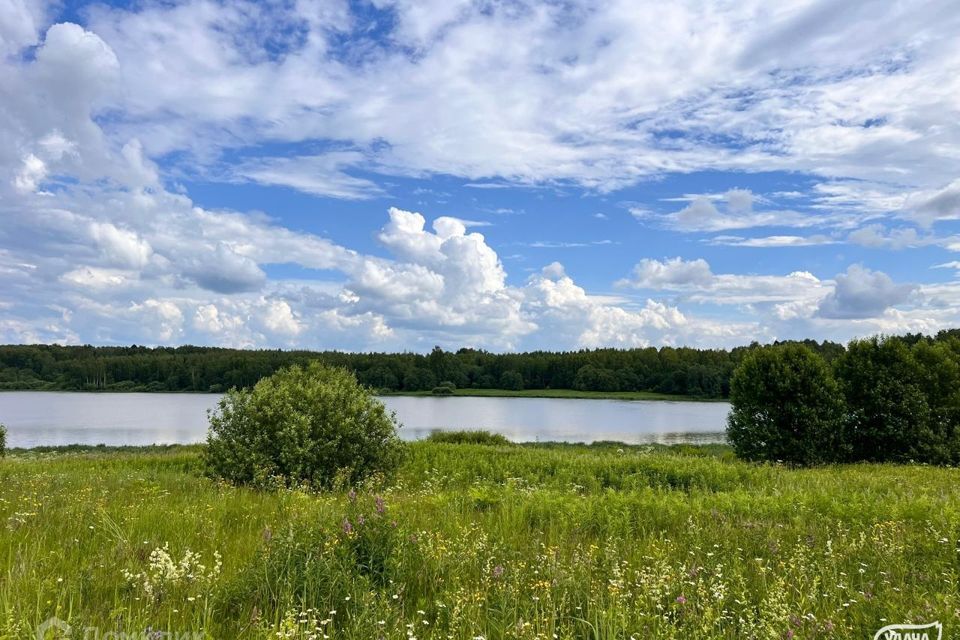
x=51 y=418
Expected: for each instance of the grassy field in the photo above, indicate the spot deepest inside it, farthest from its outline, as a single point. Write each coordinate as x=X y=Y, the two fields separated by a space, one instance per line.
x=565 y=393
x=469 y=541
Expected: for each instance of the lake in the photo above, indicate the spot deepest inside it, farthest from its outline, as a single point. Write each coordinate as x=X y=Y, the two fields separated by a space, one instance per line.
x=55 y=418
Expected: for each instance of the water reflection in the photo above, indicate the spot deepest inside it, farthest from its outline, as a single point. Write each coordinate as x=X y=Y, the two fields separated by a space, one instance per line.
x=55 y=418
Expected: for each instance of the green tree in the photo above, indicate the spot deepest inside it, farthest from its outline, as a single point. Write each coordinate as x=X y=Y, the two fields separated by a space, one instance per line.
x=591 y=378
x=511 y=380
x=310 y=424
x=785 y=405
x=889 y=414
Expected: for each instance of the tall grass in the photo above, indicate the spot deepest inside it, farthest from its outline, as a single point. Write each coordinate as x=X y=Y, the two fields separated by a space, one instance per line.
x=471 y=540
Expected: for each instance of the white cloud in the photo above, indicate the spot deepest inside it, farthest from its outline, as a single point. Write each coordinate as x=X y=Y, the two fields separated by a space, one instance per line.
x=937 y=206
x=31 y=174
x=121 y=246
x=322 y=175
x=558 y=97
x=655 y=274
x=877 y=236
x=702 y=214
x=740 y=200
x=696 y=282
x=862 y=293
x=20 y=22
x=773 y=241
x=280 y=319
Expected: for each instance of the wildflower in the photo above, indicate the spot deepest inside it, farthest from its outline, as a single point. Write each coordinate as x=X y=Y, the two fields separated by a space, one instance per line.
x=498 y=571
x=347 y=527
x=681 y=599
x=352 y=495
x=380 y=505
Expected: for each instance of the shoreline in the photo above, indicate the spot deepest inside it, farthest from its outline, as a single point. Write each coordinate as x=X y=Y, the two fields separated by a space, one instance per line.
x=569 y=394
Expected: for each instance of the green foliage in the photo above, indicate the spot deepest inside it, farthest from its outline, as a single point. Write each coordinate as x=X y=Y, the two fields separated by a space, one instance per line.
x=675 y=371
x=442 y=390
x=3 y=440
x=591 y=378
x=785 y=405
x=468 y=437
x=313 y=425
x=511 y=380
x=903 y=400
x=895 y=399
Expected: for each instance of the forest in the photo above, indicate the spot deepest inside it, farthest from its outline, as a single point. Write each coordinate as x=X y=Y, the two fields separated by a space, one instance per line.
x=702 y=373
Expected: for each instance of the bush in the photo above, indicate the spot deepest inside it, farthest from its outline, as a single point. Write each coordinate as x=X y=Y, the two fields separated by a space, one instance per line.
x=468 y=437
x=442 y=390
x=3 y=441
x=312 y=425
x=785 y=405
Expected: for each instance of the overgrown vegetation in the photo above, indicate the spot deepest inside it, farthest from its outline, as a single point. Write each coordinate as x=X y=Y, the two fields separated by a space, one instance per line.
x=312 y=425
x=469 y=437
x=518 y=541
x=3 y=441
x=884 y=399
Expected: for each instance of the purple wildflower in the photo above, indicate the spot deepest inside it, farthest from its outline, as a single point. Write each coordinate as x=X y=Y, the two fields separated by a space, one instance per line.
x=681 y=599
x=381 y=505
x=498 y=571
x=347 y=527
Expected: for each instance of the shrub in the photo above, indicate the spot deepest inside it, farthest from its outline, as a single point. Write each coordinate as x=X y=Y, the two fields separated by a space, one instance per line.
x=3 y=441
x=785 y=406
x=313 y=425
x=442 y=390
x=468 y=437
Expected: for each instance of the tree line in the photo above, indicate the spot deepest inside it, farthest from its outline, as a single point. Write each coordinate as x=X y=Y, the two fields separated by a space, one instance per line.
x=703 y=373
x=884 y=399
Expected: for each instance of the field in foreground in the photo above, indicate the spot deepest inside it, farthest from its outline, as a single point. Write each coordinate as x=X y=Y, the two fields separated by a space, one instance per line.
x=470 y=541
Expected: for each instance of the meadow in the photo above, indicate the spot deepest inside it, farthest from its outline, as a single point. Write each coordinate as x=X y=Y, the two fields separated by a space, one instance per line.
x=478 y=541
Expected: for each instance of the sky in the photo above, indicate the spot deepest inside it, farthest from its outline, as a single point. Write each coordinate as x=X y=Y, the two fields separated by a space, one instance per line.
x=391 y=175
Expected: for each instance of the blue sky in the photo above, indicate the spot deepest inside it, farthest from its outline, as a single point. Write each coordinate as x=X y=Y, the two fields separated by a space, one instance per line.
x=391 y=175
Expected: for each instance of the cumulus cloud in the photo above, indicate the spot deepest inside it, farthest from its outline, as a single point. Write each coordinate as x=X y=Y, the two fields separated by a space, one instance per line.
x=696 y=282
x=672 y=271
x=862 y=293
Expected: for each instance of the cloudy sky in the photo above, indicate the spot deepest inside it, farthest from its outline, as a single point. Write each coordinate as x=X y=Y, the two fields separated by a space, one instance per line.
x=394 y=174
